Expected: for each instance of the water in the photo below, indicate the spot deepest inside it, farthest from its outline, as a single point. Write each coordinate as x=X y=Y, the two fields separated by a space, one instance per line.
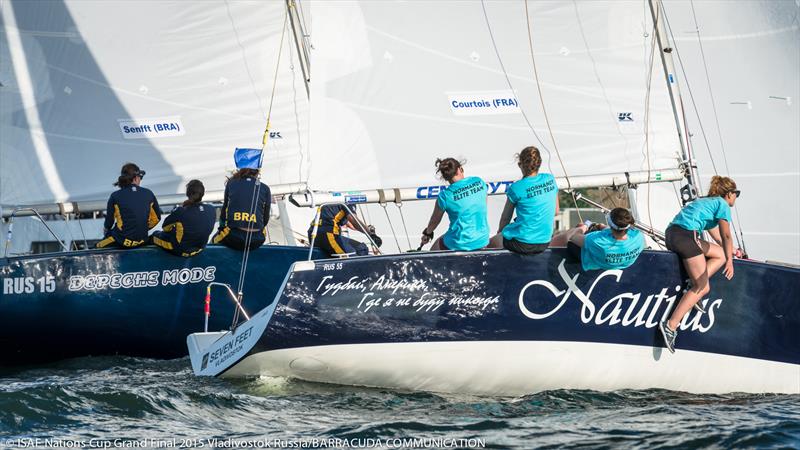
x=118 y=402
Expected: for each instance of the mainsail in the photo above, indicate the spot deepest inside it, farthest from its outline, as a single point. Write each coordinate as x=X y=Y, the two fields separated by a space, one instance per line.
x=172 y=86
x=397 y=84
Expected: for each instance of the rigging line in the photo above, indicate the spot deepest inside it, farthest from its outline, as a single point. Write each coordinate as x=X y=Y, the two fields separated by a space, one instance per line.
x=257 y=184
x=510 y=86
x=716 y=120
x=647 y=115
x=405 y=229
x=391 y=227
x=296 y=114
x=691 y=96
x=597 y=76
x=710 y=91
x=544 y=111
x=244 y=58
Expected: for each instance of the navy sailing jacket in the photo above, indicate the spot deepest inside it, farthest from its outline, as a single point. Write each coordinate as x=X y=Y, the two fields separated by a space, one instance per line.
x=238 y=201
x=191 y=226
x=131 y=212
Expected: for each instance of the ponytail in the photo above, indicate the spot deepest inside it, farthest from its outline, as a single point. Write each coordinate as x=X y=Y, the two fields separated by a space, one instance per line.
x=529 y=160
x=721 y=186
x=194 y=191
x=447 y=168
x=127 y=174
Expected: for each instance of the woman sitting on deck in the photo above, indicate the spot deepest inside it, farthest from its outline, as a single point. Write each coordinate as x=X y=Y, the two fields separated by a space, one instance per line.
x=464 y=201
x=535 y=198
x=243 y=222
x=700 y=258
x=615 y=246
x=132 y=211
x=186 y=230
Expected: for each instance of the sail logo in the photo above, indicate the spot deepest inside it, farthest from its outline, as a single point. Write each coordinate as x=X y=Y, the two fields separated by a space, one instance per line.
x=156 y=127
x=494 y=187
x=625 y=117
x=626 y=309
x=479 y=103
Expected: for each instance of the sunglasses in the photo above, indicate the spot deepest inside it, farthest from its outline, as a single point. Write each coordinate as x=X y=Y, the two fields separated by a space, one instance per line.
x=140 y=173
x=737 y=193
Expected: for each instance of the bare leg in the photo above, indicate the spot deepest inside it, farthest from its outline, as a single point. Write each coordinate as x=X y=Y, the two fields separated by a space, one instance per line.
x=496 y=241
x=437 y=245
x=577 y=239
x=715 y=257
x=561 y=238
x=696 y=268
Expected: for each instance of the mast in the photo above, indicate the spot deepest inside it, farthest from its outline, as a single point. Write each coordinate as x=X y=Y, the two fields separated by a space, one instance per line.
x=688 y=192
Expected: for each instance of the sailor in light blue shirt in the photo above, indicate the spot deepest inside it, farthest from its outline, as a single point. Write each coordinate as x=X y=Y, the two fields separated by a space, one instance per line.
x=700 y=258
x=535 y=199
x=603 y=250
x=464 y=201
x=616 y=246
x=703 y=214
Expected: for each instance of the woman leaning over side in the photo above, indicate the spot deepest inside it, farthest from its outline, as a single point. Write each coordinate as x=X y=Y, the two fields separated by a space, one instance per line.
x=700 y=258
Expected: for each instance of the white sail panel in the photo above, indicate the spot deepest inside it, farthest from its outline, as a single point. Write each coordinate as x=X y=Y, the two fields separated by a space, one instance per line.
x=386 y=76
x=192 y=79
x=751 y=54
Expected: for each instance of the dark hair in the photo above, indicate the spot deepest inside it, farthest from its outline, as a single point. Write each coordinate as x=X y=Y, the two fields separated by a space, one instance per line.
x=721 y=186
x=529 y=160
x=621 y=218
x=243 y=173
x=447 y=168
x=195 y=191
x=127 y=174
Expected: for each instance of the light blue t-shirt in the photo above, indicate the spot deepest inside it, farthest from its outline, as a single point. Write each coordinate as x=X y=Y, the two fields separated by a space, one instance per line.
x=601 y=251
x=535 y=201
x=703 y=214
x=465 y=204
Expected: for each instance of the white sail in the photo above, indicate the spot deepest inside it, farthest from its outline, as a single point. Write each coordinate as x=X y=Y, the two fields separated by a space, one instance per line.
x=75 y=74
x=747 y=112
x=396 y=85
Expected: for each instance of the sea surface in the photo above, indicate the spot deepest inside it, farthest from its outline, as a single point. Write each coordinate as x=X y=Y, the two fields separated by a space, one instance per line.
x=120 y=402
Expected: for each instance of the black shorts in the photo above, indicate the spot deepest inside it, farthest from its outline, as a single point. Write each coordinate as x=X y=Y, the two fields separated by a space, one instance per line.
x=236 y=238
x=683 y=242
x=573 y=252
x=522 y=248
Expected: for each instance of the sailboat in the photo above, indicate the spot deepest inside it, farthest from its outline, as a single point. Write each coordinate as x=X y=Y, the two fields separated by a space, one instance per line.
x=597 y=85
x=87 y=87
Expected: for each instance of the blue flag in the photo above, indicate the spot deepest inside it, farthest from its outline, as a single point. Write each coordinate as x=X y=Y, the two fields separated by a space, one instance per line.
x=247 y=158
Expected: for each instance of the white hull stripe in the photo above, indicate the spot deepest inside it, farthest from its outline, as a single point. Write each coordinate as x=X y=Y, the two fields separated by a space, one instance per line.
x=513 y=368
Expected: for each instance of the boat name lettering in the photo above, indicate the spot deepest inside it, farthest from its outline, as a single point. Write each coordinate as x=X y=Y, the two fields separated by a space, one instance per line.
x=28 y=285
x=154 y=278
x=623 y=308
x=230 y=348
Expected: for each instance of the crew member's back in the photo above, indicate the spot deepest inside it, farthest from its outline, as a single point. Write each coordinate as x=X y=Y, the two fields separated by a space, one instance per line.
x=131 y=212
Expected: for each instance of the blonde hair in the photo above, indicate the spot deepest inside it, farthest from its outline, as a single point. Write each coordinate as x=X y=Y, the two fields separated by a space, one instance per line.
x=720 y=186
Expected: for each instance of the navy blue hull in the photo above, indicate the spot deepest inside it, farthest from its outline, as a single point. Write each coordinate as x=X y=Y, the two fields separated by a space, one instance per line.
x=141 y=302
x=499 y=296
